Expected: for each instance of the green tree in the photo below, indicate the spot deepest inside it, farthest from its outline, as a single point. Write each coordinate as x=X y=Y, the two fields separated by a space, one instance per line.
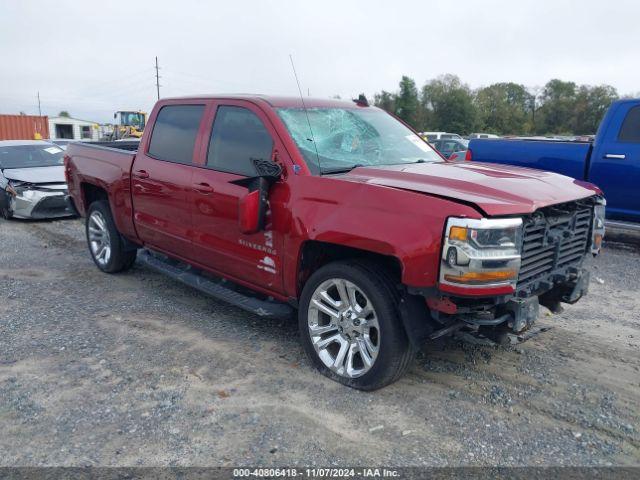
x=385 y=101
x=445 y=103
x=448 y=105
x=590 y=106
x=64 y=113
x=558 y=106
x=407 y=102
x=503 y=108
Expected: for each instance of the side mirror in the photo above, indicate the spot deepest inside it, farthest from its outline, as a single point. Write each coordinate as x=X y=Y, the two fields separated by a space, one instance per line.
x=253 y=206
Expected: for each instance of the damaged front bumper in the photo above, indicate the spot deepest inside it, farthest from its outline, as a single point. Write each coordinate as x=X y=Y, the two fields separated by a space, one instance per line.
x=40 y=202
x=500 y=316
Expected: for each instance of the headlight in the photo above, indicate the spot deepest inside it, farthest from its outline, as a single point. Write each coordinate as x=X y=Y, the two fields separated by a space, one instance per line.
x=17 y=186
x=598 y=226
x=482 y=252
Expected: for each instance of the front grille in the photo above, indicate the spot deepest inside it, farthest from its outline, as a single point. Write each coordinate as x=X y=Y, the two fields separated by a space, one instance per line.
x=555 y=240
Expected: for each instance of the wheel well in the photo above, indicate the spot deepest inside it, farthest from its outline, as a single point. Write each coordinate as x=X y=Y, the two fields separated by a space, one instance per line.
x=316 y=254
x=92 y=193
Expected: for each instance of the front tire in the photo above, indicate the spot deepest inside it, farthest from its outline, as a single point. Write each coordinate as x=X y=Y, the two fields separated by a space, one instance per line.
x=5 y=203
x=106 y=246
x=350 y=326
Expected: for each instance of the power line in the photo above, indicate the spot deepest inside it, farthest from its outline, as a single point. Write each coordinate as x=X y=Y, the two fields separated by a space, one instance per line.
x=209 y=82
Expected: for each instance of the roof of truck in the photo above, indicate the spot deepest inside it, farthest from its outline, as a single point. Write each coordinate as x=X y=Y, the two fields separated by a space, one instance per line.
x=277 y=101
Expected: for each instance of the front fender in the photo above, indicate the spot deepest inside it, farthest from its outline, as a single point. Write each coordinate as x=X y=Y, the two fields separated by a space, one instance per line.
x=399 y=223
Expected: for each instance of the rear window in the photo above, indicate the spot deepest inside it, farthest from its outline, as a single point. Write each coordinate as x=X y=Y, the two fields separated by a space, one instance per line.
x=630 y=131
x=174 y=133
x=449 y=146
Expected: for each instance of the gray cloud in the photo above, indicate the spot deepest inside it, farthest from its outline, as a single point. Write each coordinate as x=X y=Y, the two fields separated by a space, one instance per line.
x=92 y=58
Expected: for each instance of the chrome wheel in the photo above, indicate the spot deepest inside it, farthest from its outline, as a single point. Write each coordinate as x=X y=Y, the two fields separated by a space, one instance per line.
x=343 y=327
x=99 y=239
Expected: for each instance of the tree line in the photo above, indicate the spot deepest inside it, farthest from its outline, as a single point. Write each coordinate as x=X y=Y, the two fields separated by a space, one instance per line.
x=447 y=104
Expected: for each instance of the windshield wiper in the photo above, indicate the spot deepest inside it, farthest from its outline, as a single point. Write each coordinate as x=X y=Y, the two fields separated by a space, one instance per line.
x=420 y=160
x=342 y=169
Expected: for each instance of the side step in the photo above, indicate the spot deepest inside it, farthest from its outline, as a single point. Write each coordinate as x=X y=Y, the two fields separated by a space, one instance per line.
x=218 y=288
x=619 y=225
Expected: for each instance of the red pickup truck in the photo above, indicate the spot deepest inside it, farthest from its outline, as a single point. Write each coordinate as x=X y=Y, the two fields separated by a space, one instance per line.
x=341 y=211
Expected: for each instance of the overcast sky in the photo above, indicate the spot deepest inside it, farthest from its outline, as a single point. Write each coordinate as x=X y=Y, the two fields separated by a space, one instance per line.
x=93 y=58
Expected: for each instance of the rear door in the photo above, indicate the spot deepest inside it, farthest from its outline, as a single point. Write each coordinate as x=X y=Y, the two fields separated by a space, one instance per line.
x=615 y=165
x=161 y=178
x=240 y=133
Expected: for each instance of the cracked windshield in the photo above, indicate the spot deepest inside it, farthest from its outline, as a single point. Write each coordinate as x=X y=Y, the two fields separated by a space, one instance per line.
x=348 y=138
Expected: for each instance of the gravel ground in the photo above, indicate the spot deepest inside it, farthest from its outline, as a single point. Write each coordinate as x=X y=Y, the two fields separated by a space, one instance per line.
x=135 y=369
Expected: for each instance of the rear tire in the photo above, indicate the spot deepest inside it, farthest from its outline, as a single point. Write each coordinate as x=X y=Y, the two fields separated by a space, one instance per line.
x=355 y=337
x=106 y=245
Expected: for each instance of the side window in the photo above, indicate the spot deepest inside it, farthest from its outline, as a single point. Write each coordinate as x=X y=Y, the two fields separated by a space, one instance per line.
x=630 y=131
x=449 y=147
x=237 y=138
x=174 y=133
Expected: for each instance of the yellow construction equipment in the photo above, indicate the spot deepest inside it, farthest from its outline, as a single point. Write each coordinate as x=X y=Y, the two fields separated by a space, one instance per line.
x=129 y=124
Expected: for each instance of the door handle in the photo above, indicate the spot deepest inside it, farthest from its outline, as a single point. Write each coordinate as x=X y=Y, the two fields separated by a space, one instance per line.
x=615 y=155
x=203 y=188
x=141 y=174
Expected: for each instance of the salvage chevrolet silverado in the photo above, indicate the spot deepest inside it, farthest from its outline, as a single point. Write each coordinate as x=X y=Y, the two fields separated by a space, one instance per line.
x=341 y=211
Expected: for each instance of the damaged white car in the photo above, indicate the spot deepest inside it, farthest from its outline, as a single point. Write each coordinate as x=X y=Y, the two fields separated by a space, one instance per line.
x=32 y=182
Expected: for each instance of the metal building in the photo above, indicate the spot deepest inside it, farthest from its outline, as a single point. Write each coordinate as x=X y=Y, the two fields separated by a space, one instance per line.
x=68 y=128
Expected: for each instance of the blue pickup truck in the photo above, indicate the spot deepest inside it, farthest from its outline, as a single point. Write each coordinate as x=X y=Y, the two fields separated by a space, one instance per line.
x=612 y=161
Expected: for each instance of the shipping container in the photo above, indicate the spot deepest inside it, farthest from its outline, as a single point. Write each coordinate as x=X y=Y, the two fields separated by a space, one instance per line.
x=23 y=127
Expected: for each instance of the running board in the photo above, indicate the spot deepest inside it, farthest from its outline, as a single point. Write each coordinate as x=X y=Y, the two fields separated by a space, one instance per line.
x=618 y=225
x=219 y=289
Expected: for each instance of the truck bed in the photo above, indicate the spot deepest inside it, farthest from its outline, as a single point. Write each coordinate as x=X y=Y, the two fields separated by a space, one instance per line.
x=566 y=158
x=103 y=169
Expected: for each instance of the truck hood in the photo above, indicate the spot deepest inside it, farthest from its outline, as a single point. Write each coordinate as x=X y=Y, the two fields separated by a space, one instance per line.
x=494 y=189
x=53 y=174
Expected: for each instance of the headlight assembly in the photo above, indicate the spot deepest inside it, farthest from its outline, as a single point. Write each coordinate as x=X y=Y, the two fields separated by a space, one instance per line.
x=598 y=225
x=479 y=253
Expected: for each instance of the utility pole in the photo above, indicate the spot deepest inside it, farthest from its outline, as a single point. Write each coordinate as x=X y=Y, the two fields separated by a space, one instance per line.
x=157 y=79
x=39 y=109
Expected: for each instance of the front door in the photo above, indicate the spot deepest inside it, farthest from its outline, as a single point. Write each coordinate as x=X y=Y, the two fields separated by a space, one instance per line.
x=615 y=167
x=240 y=134
x=162 y=179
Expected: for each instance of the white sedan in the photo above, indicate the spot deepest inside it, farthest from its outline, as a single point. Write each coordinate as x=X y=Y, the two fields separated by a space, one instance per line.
x=32 y=182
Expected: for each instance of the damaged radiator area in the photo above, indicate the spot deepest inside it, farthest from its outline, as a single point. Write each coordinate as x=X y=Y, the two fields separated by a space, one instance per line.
x=39 y=201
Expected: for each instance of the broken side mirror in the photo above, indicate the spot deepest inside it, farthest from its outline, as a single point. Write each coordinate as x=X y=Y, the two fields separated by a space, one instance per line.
x=253 y=205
